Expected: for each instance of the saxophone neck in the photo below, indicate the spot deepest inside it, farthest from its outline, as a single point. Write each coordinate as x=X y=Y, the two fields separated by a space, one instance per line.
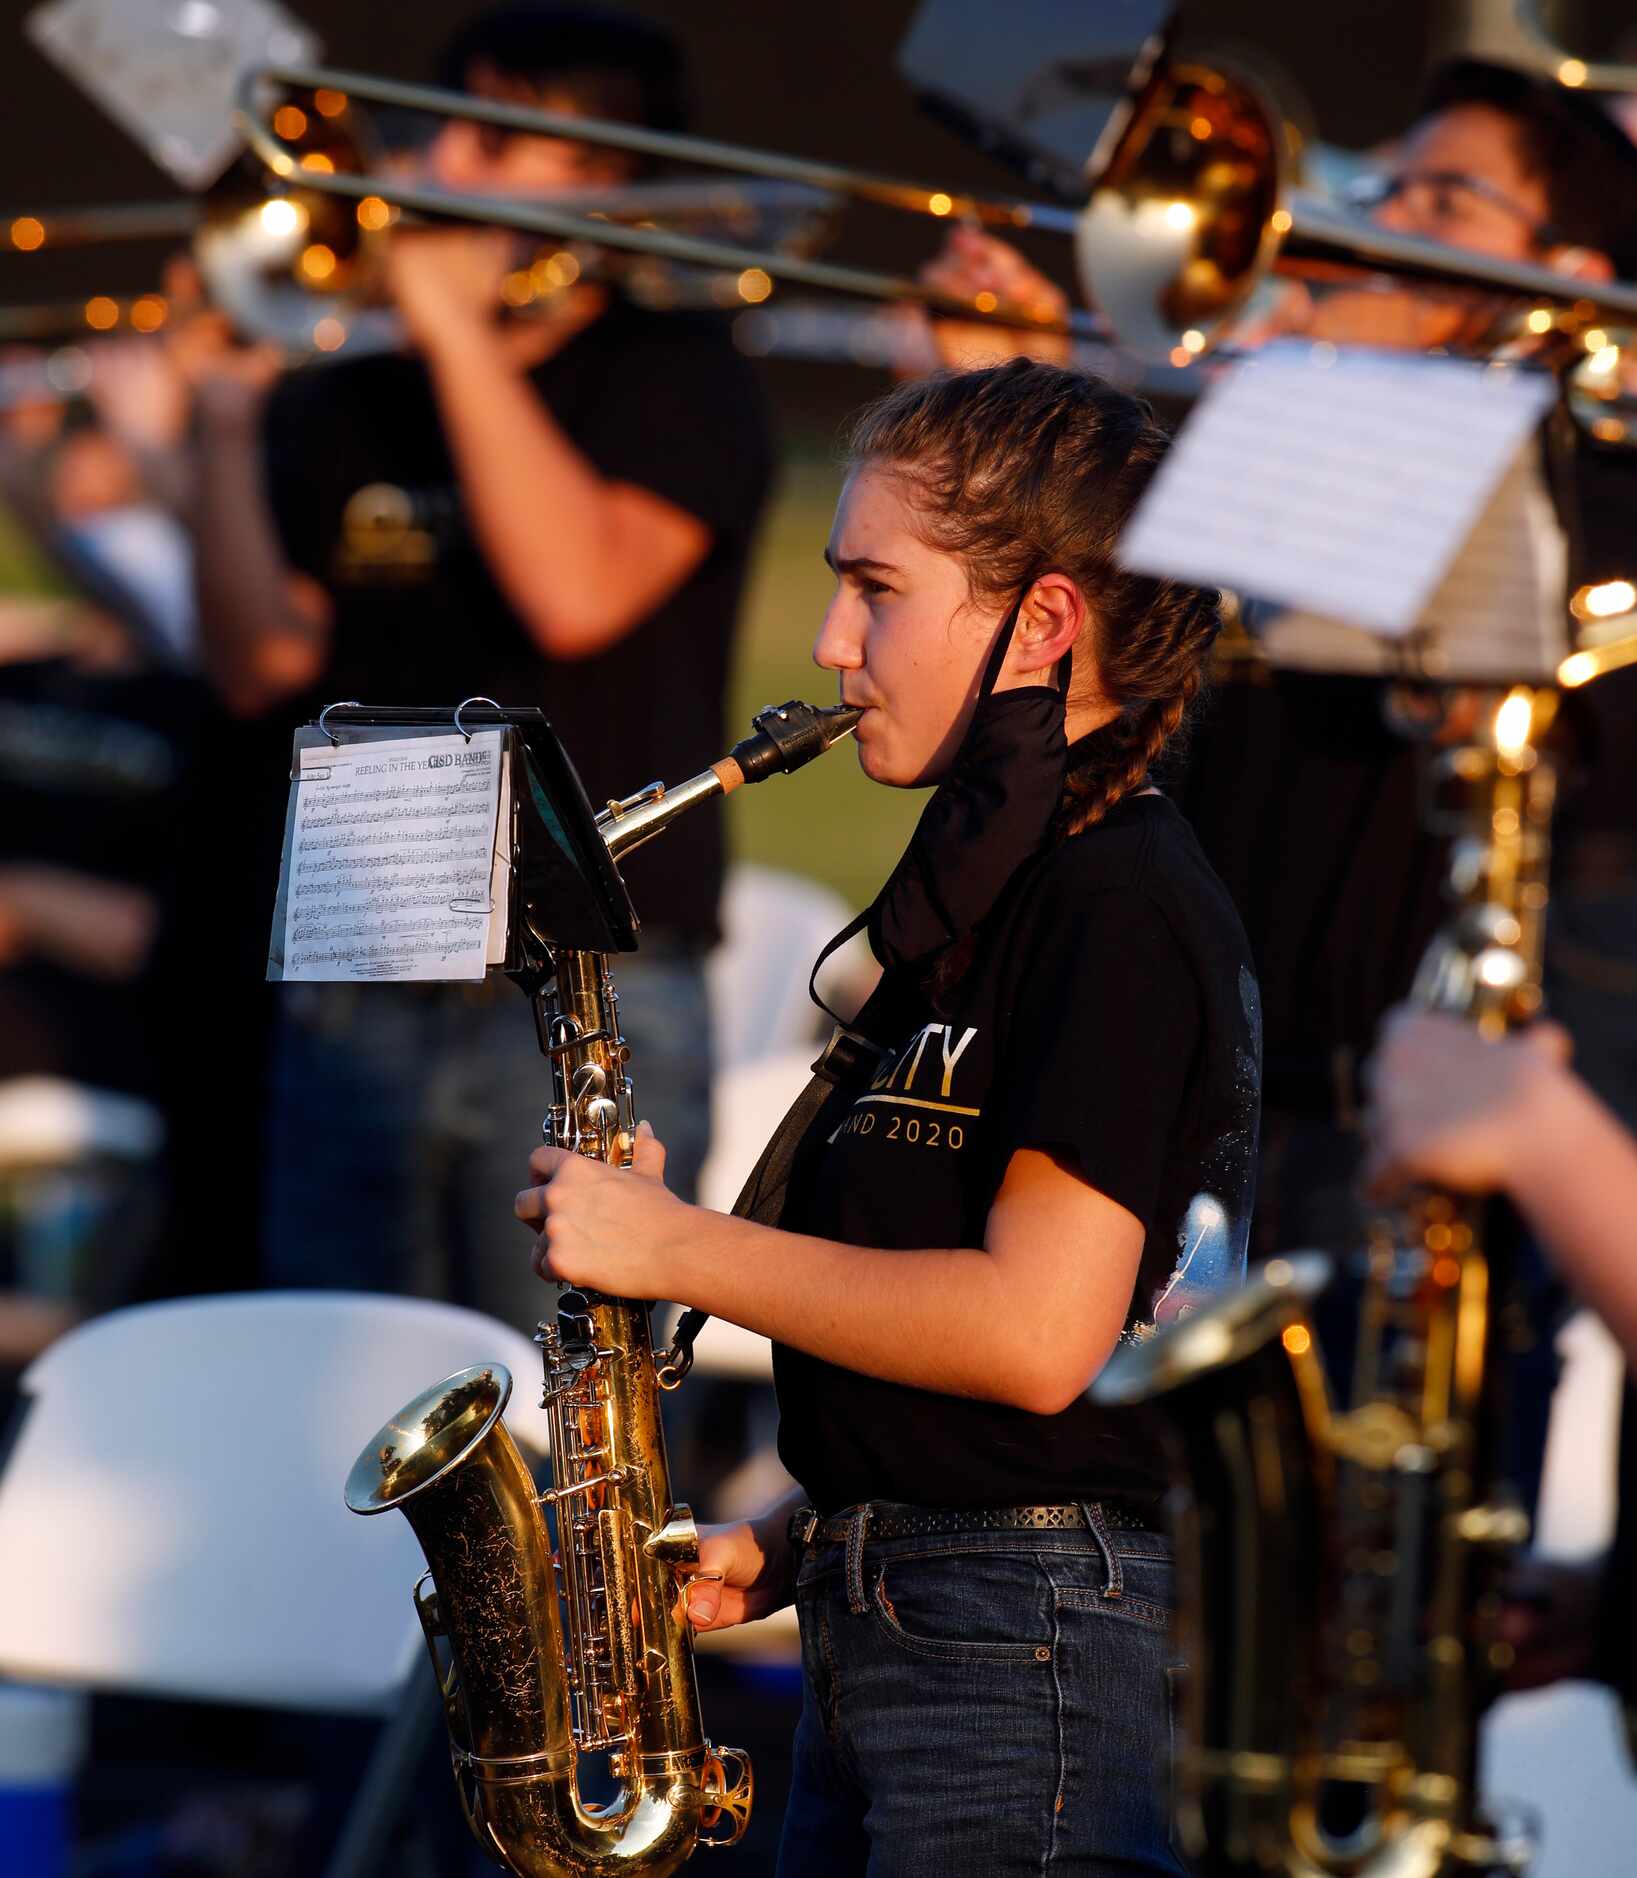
x=785 y=737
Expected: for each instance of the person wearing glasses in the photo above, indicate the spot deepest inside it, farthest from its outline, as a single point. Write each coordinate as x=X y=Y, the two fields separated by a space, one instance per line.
x=1497 y=163
x=553 y=509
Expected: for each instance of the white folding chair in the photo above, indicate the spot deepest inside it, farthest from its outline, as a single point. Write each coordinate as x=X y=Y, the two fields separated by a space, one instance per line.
x=747 y=1101
x=171 y=1521
x=773 y=924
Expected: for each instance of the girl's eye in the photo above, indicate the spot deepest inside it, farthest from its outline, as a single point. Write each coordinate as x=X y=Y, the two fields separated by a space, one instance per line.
x=873 y=587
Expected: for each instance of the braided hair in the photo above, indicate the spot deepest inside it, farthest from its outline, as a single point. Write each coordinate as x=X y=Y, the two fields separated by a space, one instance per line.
x=1023 y=469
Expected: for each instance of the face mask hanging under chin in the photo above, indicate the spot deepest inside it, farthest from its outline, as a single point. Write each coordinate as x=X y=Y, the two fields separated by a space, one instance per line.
x=992 y=812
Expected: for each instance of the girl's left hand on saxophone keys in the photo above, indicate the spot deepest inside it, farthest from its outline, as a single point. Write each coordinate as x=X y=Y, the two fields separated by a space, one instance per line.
x=602 y=1227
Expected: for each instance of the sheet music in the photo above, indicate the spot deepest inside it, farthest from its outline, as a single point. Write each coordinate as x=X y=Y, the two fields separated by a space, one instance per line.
x=1341 y=483
x=1497 y=615
x=394 y=860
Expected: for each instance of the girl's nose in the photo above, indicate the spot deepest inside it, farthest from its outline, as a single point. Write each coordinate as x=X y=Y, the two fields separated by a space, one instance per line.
x=839 y=646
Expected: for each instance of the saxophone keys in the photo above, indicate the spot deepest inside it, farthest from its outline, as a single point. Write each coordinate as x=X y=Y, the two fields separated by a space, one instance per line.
x=677 y=1541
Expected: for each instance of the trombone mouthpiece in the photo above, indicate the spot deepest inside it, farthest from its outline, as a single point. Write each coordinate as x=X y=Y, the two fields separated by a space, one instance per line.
x=788 y=735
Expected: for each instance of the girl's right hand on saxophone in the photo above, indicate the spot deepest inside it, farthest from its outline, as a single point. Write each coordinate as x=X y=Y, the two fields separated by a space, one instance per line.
x=758 y=1567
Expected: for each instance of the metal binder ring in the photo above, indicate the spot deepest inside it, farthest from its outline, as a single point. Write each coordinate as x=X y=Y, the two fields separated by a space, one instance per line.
x=462 y=706
x=340 y=704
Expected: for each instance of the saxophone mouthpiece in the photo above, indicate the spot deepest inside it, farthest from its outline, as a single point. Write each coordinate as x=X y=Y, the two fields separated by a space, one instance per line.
x=788 y=735
x=839 y=719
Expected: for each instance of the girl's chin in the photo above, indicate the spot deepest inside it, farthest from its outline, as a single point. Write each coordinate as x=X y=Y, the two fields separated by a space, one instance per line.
x=879 y=766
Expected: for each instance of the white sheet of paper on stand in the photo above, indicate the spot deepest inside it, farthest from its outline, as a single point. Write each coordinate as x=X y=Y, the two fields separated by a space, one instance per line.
x=393 y=869
x=1343 y=485
x=1496 y=617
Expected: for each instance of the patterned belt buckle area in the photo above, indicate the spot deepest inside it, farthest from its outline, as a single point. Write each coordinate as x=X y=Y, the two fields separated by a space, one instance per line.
x=889 y=1520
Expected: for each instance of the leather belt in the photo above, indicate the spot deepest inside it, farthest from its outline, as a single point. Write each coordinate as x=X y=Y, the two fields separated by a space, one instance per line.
x=890 y=1520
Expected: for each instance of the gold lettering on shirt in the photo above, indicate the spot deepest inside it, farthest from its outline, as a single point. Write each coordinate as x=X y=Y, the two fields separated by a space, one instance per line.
x=952 y=1057
x=916 y=1045
x=928 y=1032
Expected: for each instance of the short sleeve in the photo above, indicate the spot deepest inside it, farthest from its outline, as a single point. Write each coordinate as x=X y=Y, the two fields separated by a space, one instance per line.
x=1101 y=1018
x=683 y=416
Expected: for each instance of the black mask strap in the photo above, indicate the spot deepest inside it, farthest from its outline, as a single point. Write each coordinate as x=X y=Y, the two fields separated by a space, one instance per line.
x=1003 y=644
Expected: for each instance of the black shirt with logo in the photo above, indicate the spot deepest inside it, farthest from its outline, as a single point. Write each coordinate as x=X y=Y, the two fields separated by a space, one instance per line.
x=368 y=503
x=1110 y=1019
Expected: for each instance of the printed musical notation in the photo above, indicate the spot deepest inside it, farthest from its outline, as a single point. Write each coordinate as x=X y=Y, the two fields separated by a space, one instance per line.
x=394 y=867
x=1346 y=484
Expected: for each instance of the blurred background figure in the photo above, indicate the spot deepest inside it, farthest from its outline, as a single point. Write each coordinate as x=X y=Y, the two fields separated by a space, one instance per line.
x=98 y=727
x=556 y=508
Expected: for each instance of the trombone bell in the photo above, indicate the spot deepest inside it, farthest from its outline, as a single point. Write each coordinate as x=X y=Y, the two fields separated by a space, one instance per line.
x=1188 y=210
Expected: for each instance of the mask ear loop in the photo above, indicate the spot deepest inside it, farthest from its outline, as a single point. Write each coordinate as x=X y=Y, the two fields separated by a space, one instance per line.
x=1003 y=644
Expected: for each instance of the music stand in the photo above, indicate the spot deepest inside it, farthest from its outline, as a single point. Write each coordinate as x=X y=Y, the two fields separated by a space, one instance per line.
x=564 y=887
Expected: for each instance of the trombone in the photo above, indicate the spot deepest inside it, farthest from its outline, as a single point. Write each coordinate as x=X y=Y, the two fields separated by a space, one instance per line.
x=308 y=173
x=1191 y=203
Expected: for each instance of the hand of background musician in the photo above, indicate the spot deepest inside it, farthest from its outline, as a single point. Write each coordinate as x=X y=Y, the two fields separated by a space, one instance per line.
x=1452 y=1107
x=604 y=1227
x=446 y=281
x=971 y=263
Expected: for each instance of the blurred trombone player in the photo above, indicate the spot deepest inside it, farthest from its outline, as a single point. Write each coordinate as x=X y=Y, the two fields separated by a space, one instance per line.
x=552 y=510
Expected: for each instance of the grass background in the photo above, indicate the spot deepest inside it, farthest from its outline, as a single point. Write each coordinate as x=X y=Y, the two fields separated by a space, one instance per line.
x=829 y=821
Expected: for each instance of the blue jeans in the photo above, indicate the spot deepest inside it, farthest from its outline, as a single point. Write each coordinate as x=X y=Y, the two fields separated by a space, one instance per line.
x=402 y=1119
x=995 y=1704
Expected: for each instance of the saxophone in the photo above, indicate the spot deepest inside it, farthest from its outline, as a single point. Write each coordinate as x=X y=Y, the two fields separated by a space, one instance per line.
x=1338 y=1568
x=545 y=1655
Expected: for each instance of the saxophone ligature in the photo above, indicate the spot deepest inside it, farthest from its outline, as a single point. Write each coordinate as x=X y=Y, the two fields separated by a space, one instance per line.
x=548 y=1654
x=1339 y=1566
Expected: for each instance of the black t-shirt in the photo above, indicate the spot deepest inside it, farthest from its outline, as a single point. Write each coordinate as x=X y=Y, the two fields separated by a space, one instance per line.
x=1109 y=1018
x=660 y=400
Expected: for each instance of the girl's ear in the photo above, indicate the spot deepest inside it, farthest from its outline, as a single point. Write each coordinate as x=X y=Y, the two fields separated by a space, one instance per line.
x=1052 y=619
